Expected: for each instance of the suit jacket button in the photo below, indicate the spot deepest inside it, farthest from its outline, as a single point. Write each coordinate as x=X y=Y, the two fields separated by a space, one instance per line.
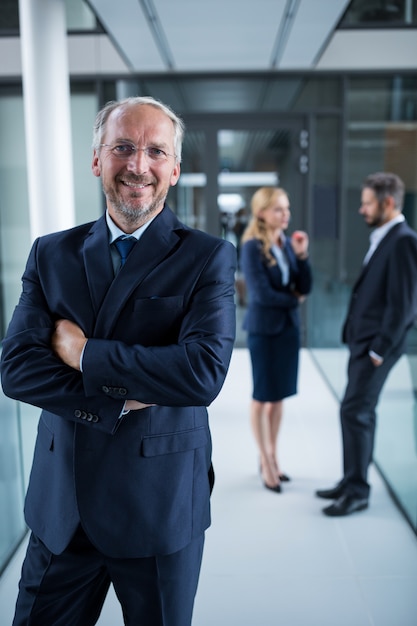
x=105 y=389
x=122 y=391
x=89 y=417
x=95 y=419
x=83 y=415
x=77 y=413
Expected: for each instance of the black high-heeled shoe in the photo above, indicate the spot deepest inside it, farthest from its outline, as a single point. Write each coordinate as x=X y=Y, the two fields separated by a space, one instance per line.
x=284 y=478
x=276 y=488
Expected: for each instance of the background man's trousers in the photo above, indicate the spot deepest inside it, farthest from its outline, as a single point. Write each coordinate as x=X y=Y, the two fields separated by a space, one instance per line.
x=358 y=419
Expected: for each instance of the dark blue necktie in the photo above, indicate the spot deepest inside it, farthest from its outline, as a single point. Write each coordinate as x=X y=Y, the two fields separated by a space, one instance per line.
x=124 y=246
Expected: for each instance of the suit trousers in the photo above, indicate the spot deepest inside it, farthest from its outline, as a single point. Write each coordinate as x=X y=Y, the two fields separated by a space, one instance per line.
x=69 y=589
x=358 y=418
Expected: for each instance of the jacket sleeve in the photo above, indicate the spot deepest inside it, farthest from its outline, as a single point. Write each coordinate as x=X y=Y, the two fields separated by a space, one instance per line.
x=260 y=288
x=188 y=372
x=303 y=279
x=301 y=275
x=400 y=307
x=31 y=372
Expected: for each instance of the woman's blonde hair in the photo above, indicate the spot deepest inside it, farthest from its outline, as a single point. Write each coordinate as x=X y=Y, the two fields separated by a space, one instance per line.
x=262 y=199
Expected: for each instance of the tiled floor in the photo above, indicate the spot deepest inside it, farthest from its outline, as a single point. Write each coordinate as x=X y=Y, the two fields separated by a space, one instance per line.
x=274 y=558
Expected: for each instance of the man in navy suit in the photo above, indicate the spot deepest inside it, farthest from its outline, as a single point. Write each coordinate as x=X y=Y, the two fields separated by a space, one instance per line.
x=382 y=309
x=122 y=350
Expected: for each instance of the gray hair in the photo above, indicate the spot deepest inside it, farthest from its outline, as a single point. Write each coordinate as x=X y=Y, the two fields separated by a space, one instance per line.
x=385 y=184
x=103 y=115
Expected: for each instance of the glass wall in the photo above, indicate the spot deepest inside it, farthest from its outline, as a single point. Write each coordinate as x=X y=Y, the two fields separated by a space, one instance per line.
x=78 y=16
x=19 y=421
x=12 y=525
x=380 y=134
x=14 y=246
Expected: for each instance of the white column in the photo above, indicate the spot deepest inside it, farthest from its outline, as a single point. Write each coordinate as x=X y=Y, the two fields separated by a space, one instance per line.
x=46 y=97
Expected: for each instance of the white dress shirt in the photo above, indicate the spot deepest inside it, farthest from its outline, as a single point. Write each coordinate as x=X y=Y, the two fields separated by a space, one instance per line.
x=379 y=233
x=282 y=260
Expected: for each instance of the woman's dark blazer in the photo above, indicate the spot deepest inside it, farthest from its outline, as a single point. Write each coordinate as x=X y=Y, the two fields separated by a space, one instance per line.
x=271 y=305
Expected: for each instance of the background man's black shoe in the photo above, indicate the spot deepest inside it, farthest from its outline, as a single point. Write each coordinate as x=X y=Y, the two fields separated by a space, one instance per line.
x=346 y=505
x=331 y=494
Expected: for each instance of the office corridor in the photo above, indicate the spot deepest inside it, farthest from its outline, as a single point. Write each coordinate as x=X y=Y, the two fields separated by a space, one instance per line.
x=274 y=559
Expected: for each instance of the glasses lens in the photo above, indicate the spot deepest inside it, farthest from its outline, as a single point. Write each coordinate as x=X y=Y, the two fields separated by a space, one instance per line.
x=124 y=150
x=156 y=154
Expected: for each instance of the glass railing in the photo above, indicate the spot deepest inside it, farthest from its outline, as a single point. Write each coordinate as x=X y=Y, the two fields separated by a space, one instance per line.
x=396 y=439
x=12 y=487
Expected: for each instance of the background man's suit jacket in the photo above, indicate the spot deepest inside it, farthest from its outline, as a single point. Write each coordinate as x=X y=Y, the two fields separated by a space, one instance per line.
x=161 y=332
x=383 y=304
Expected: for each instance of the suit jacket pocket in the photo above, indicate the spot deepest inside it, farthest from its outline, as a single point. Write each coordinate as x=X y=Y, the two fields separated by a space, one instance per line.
x=157 y=320
x=153 y=304
x=171 y=443
x=45 y=437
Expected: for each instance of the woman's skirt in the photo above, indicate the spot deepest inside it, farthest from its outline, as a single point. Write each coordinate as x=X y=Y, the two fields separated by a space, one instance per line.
x=274 y=364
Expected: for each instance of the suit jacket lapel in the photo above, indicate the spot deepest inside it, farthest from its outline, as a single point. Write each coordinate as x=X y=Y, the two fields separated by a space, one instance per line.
x=384 y=242
x=97 y=262
x=155 y=244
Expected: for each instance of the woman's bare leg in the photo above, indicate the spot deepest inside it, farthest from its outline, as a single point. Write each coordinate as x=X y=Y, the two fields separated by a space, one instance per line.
x=274 y=411
x=261 y=428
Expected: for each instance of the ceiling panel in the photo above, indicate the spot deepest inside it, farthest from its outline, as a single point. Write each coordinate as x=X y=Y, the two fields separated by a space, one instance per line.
x=313 y=25
x=218 y=35
x=126 y=25
x=233 y=34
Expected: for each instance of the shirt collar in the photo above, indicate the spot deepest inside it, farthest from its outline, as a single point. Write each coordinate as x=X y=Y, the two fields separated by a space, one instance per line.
x=380 y=232
x=116 y=232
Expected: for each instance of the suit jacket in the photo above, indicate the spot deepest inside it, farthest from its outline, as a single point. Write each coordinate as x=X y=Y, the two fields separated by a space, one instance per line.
x=272 y=306
x=161 y=332
x=383 y=304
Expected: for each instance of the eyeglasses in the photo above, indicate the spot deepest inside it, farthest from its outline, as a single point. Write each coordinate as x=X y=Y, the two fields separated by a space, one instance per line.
x=127 y=150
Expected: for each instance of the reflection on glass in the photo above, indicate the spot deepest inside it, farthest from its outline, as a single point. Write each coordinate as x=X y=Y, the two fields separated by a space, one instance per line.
x=9 y=16
x=380 y=13
x=79 y=16
x=12 y=525
x=188 y=199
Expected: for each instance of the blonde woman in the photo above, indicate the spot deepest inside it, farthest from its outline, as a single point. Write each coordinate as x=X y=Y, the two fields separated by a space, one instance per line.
x=278 y=277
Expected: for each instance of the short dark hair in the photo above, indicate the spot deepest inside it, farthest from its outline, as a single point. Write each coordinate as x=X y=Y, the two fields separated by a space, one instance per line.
x=386 y=184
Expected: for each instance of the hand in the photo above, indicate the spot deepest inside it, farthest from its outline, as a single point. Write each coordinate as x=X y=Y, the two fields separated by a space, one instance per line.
x=299 y=242
x=68 y=341
x=135 y=405
x=376 y=362
x=299 y=296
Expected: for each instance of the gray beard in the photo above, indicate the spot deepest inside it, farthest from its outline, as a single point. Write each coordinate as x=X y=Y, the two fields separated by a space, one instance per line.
x=137 y=216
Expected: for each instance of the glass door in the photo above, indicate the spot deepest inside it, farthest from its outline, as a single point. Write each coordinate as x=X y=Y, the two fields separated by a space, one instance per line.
x=249 y=159
x=225 y=160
